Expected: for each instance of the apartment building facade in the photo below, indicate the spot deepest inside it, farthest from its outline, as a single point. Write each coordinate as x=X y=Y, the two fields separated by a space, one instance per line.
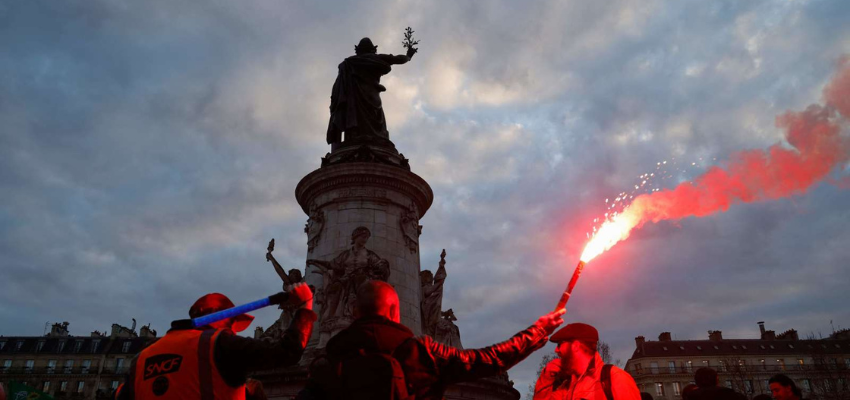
x=72 y=367
x=820 y=367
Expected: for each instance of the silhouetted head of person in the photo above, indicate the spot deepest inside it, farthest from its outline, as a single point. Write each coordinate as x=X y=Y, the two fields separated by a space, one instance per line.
x=783 y=388
x=365 y=46
x=377 y=298
x=705 y=377
x=645 y=396
x=688 y=389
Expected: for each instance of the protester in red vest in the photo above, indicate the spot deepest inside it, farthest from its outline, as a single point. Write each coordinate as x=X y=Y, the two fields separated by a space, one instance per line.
x=212 y=362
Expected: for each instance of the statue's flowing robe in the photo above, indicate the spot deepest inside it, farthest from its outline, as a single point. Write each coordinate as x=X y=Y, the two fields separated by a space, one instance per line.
x=432 y=302
x=356 y=102
x=448 y=333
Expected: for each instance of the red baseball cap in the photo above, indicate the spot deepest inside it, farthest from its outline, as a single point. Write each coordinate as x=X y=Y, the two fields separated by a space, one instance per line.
x=212 y=302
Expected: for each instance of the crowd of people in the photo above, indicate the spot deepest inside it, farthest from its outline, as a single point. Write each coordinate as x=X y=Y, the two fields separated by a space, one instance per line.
x=706 y=387
x=377 y=357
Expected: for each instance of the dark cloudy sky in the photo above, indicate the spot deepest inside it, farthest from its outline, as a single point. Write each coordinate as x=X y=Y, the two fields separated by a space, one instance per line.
x=149 y=150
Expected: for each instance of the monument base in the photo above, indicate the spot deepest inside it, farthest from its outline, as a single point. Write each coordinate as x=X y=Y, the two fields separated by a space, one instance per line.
x=285 y=383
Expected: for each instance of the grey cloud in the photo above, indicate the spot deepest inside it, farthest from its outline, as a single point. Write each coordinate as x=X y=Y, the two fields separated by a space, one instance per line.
x=150 y=150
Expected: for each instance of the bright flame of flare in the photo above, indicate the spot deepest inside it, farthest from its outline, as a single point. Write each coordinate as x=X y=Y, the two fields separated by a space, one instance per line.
x=613 y=230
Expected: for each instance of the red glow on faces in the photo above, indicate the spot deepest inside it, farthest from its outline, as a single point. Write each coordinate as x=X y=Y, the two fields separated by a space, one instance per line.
x=751 y=175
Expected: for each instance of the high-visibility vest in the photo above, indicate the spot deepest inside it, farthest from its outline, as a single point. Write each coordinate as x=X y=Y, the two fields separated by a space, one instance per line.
x=180 y=365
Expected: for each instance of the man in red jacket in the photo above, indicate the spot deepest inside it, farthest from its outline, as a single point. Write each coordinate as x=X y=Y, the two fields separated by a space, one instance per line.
x=389 y=362
x=580 y=373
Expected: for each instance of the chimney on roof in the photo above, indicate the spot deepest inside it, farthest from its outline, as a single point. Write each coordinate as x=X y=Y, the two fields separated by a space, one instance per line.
x=790 y=334
x=639 y=341
x=664 y=337
x=258 y=331
x=59 y=330
x=761 y=328
x=715 y=335
x=147 y=332
x=768 y=335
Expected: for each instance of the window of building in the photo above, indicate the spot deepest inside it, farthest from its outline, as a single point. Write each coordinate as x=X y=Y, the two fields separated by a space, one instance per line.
x=766 y=387
x=61 y=346
x=771 y=346
x=653 y=367
x=716 y=347
x=704 y=363
x=51 y=366
x=800 y=363
x=659 y=389
x=45 y=387
x=842 y=384
x=690 y=366
x=734 y=347
x=6 y=365
x=39 y=346
x=833 y=362
x=94 y=345
x=19 y=345
x=681 y=347
x=722 y=365
x=78 y=346
x=743 y=347
x=85 y=367
x=30 y=364
x=762 y=346
x=827 y=384
x=677 y=388
x=126 y=347
x=781 y=364
x=69 y=365
x=807 y=385
x=63 y=386
x=748 y=385
x=790 y=346
x=638 y=368
x=847 y=363
x=699 y=347
x=763 y=364
x=2 y=345
x=119 y=365
x=729 y=384
x=114 y=385
x=671 y=367
x=80 y=386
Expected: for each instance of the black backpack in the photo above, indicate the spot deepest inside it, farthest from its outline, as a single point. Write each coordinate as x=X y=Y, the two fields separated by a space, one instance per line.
x=605 y=379
x=368 y=376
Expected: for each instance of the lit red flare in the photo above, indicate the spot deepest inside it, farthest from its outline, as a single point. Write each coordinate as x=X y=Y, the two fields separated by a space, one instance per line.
x=816 y=149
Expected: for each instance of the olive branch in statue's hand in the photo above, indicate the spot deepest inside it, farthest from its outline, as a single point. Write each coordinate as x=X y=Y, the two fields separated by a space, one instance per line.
x=409 y=42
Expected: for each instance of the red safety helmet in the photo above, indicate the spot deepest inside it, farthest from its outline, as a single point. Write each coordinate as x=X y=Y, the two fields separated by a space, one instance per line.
x=212 y=302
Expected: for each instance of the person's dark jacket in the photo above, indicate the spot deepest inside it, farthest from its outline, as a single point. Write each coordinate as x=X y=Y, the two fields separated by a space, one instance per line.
x=429 y=366
x=715 y=393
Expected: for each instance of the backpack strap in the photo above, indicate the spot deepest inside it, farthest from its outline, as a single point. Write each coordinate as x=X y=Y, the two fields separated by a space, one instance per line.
x=606 y=381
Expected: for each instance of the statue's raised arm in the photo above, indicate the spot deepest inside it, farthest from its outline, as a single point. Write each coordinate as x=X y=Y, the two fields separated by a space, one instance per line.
x=356 y=108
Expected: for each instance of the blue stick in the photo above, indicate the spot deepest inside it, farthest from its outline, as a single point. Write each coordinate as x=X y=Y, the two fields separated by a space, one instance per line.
x=278 y=298
x=230 y=312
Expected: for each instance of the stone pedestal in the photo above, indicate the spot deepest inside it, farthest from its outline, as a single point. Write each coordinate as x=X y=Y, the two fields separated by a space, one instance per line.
x=366 y=186
x=388 y=200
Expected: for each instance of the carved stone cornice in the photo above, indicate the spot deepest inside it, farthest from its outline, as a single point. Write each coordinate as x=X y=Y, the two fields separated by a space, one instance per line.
x=358 y=175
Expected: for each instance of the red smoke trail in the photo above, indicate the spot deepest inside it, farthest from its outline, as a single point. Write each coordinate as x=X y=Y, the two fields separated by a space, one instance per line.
x=817 y=148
